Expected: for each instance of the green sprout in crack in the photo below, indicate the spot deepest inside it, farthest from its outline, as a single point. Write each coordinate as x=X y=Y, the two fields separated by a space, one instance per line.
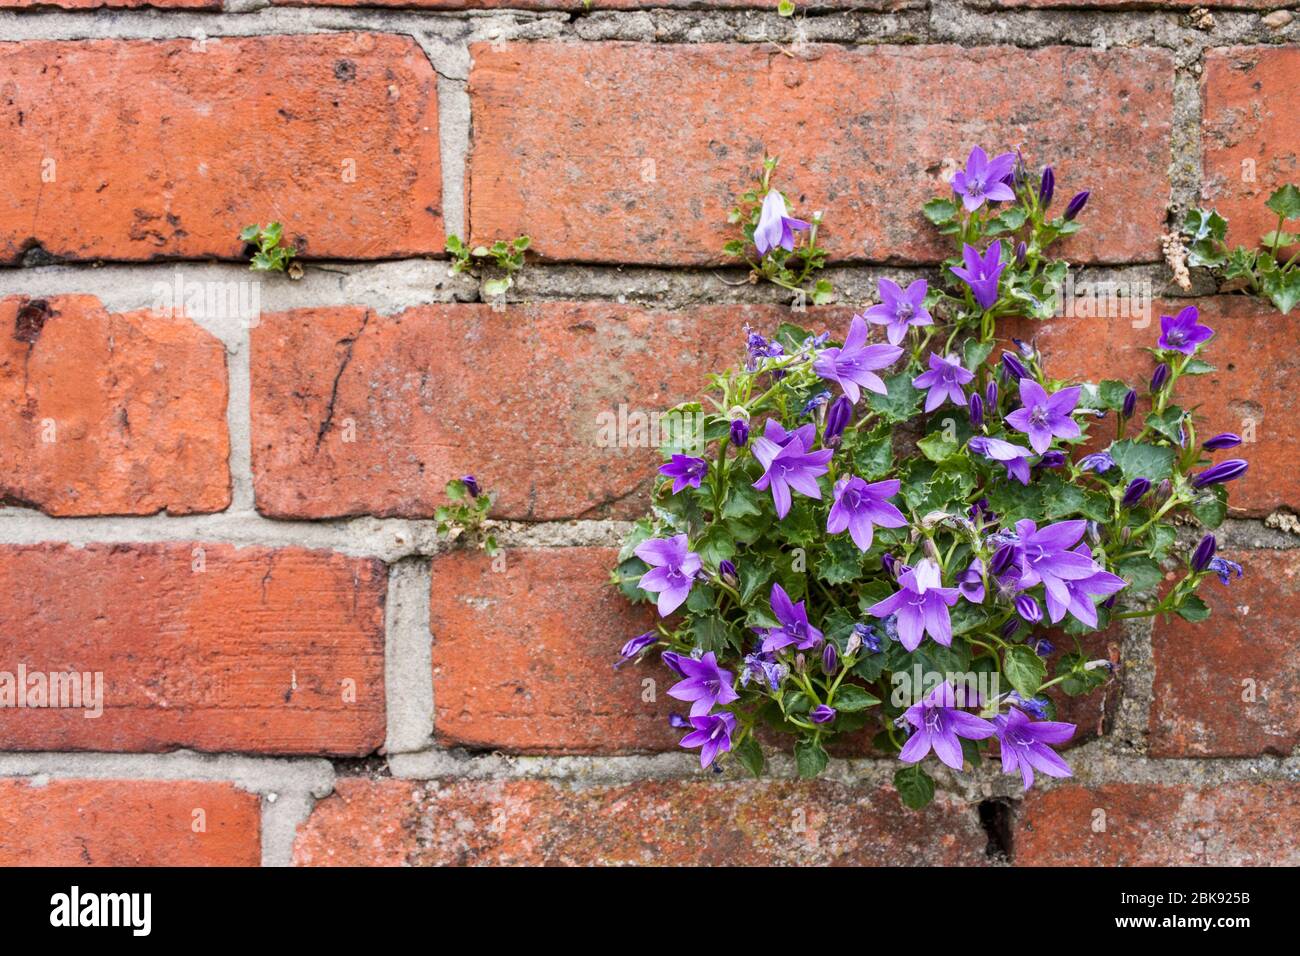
x=1262 y=271
x=270 y=254
x=465 y=519
x=776 y=246
x=507 y=257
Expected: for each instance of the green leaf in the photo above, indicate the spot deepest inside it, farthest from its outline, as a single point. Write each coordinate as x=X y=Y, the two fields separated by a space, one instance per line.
x=874 y=457
x=1197 y=367
x=1285 y=202
x=1211 y=506
x=754 y=573
x=716 y=545
x=712 y=633
x=1075 y=680
x=976 y=353
x=1167 y=424
x=915 y=787
x=1112 y=393
x=940 y=211
x=495 y=287
x=840 y=562
x=628 y=573
x=850 y=698
x=1024 y=669
x=1139 y=460
x=1142 y=574
x=810 y=758
x=902 y=401
x=1193 y=609
x=750 y=755
x=937 y=446
x=1283 y=289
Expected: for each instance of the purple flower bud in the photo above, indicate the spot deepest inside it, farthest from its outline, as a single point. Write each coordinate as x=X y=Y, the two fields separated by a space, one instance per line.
x=1026 y=350
x=867 y=636
x=1203 y=553
x=1075 y=205
x=1130 y=403
x=1013 y=367
x=976 y=408
x=1002 y=559
x=830 y=659
x=1046 y=187
x=1042 y=646
x=1021 y=251
x=1009 y=629
x=1220 y=442
x=991 y=394
x=837 y=419
x=1053 y=459
x=673 y=661
x=471 y=485
x=1224 y=471
x=727 y=572
x=635 y=646
x=678 y=721
x=1164 y=490
x=1135 y=492
x=1028 y=608
x=888 y=563
x=739 y=432
x=822 y=714
x=800 y=663
x=1159 y=377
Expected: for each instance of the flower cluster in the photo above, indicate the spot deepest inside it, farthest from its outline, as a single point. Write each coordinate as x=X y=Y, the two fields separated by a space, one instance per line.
x=880 y=532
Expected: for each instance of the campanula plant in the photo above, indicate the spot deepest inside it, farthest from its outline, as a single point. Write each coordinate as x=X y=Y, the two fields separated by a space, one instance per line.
x=882 y=520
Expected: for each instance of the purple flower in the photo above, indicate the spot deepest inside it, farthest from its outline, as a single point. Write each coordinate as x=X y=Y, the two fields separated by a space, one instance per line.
x=1012 y=367
x=794 y=628
x=1043 y=417
x=1041 y=646
x=867 y=636
x=858 y=506
x=837 y=419
x=1135 y=492
x=673 y=661
x=1225 y=569
x=1034 y=706
x=1024 y=745
x=727 y=573
x=712 y=733
x=678 y=721
x=1046 y=187
x=685 y=471
x=1003 y=558
x=822 y=714
x=705 y=685
x=1220 y=442
x=855 y=364
x=788 y=464
x=1076 y=204
x=921 y=606
x=830 y=659
x=739 y=432
x=1075 y=595
x=775 y=228
x=1028 y=608
x=766 y=665
x=991 y=395
x=1101 y=462
x=1052 y=459
x=814 y=403
x=1204 y=553
x=938 y=724
x=982 y=179
x=1228 y=470
x=898 y=309
x=944 y=380
x=673 y=568
x=975 y=408
x=982 y=273
x=471 y=485
x=1015 y=457
x=1045 y=558
x=1183 y=333
x=1129 y=404
x=635 y=646
x=760 y=348
x=971 y=582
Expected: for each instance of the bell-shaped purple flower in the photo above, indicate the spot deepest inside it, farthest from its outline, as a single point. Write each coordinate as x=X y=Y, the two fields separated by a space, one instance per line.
x=471 y=485
x=794 y=627
x=1130 y=403
x=982 y=179
x=1076 y=595
x=1183 y=332
x=860 y=506
x=1044 y=417
x=971 y=582
x=898 y=309
x=944 y=380
x=1015 y=457
x=920 y=605
x=686 y=472
x=975 y=408
x=1100 y=462
x=706 y=684
x=775 y=227
x=788 y=465
x=981 y=273
x=712 y=734
x=635 y=646
x=938 y=724
x=1012 y=367
x=854 y=366
x=673 y=568
x=1024 y=745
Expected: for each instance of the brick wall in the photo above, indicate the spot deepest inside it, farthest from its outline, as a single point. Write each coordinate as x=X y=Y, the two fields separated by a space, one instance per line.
x=233 y=524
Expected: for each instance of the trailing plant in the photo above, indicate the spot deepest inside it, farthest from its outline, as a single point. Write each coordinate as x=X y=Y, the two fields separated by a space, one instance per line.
x=270 y=254
x=776 y=246
x=508 y=257
x=1264 y=271
x=871 y=537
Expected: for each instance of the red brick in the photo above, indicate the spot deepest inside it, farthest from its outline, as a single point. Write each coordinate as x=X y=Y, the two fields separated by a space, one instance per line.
x=562 y=133
x=523 y=658
x=167 y=149
x=1201 y=669
x=1247 y=94
x=104 y=413
x=128 y=823
x=585 y=5
x=667 y=823
x=116 y=4
x=1129 y=4
x=250 y=653
x=1244 y=395
x=1236 y=824
x=513 y=397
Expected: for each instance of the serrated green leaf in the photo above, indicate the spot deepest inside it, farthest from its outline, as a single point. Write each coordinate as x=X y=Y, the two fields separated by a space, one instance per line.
x=750 y=756
x=1140 y=460
x=1285 y=202
x=850 y=698
x=810 y=758
x=1024 y=669
x=915 y=787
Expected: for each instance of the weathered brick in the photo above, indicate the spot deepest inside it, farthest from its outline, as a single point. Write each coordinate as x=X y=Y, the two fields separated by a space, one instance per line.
x=115 y=4
x=1128 y=4
x=155 y=149
x=523 y=658
x=672 y=823
x=585 y=5
x=128 y=823
x=202 y=646
x=1246 y=394
x=1226 y=687
x=514 y=397
x=1149 y=825
x=1250 y=147
x=630 y=152
x=104 y=413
